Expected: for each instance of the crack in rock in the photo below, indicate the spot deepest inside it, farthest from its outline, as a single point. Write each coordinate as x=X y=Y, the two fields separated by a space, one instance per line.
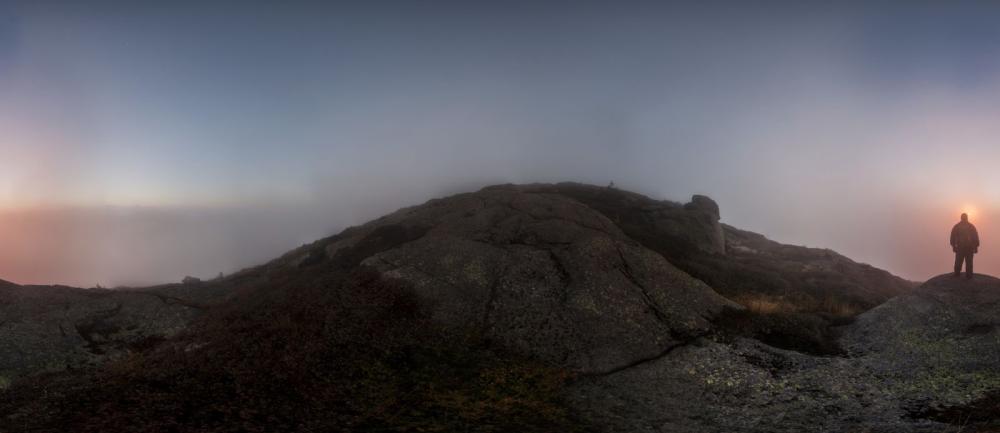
x=642 y=361
x=626 y=270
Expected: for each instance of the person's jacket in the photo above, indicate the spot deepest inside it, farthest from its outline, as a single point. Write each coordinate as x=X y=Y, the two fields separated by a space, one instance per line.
x=964 y=237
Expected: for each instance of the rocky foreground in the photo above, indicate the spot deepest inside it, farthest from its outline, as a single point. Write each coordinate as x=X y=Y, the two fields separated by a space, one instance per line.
x=935 y=347
x=516 y=308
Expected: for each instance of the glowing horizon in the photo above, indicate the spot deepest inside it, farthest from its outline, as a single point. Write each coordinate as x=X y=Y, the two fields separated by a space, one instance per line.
x=859 y=128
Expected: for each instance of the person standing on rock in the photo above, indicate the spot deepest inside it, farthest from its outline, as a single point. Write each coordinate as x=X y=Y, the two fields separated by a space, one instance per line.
x=965 y=243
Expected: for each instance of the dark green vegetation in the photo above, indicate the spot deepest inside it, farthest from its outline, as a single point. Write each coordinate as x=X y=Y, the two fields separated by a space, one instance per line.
x=488 y=311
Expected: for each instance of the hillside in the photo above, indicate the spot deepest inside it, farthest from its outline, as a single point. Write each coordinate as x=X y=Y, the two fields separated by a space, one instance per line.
x=736 y=263
x=531 y=308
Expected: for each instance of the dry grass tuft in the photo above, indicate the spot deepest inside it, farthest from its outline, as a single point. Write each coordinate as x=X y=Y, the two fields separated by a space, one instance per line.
x=763 y=304
x=767 y=305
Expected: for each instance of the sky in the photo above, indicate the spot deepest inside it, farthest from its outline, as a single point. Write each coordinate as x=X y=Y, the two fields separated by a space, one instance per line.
x=142 y=143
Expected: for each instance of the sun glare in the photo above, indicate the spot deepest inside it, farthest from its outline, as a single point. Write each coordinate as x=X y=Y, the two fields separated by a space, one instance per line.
x=970 y=210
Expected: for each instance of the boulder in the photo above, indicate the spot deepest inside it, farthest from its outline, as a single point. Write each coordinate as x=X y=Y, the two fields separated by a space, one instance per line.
x=704 y=204
x=711 y=228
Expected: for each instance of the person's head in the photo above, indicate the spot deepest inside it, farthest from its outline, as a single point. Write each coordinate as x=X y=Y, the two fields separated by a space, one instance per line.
x=965 y=217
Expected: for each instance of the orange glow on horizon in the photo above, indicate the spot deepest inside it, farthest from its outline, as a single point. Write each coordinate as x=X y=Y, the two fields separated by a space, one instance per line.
x=970 y=210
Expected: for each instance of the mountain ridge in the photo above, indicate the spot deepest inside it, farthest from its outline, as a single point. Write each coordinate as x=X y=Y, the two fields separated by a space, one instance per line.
x=548 y=304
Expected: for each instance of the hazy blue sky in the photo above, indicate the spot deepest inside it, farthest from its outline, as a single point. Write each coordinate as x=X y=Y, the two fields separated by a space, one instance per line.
x=131 y=136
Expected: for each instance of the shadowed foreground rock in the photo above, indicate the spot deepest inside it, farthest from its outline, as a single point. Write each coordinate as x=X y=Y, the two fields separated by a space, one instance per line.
x=54 y=328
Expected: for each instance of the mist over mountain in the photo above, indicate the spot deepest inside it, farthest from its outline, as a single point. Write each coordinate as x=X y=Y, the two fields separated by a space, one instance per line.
x=145 y=245
x=142 y=246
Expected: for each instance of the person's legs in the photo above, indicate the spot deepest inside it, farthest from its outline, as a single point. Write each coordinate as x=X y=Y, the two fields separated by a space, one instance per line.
x=958 y=263
x=968 y=264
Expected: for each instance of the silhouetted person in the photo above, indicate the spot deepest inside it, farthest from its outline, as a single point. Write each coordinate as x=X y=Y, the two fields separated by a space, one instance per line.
x=965 y=243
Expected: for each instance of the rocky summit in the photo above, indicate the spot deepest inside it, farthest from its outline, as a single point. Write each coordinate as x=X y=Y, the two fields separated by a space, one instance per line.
x=546 y=307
